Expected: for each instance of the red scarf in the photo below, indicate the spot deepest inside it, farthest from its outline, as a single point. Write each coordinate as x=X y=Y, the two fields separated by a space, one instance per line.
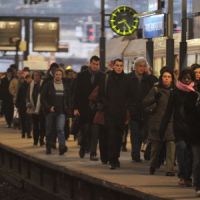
x=185 y=87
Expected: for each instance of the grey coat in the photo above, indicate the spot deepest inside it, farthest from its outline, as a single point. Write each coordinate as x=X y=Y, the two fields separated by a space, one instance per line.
x=159 y=96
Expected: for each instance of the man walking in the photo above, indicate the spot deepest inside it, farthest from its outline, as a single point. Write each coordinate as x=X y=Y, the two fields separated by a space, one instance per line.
x=55 y=100
x=87 y=81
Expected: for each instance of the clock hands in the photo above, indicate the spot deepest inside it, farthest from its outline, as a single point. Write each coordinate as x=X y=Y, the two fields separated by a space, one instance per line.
x=124 y=21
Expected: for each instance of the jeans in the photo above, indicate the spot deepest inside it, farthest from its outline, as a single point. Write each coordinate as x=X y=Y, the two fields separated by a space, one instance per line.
x=184 y=159
x=55 y=121
x=196 y=166
x=136 y=139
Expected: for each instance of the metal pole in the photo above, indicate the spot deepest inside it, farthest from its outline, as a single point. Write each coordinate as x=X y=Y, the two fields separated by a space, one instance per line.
x=150 y=51
x=17 y=53
x=170 y=40
x=102 y=42
x=27 y=37
x=183 y=43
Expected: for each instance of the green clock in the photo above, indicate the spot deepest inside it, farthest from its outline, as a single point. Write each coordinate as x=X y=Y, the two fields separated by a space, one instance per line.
x=123 y=20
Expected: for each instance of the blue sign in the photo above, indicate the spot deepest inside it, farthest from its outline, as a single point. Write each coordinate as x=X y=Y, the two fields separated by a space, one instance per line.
x=154 y=26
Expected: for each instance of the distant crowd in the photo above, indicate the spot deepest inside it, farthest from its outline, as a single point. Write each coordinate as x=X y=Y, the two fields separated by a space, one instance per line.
x=99 y=108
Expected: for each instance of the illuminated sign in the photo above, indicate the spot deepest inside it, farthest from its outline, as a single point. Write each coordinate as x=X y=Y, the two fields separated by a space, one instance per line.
x=154 y=26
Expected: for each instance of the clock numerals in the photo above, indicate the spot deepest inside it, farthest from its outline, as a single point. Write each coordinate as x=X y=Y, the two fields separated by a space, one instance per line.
x=123 y=20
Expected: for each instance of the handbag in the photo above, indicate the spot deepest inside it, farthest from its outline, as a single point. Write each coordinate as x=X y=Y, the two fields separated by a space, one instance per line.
x=99 y=118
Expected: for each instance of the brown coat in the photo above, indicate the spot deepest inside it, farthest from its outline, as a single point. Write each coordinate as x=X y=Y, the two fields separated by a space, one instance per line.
x=155 y=119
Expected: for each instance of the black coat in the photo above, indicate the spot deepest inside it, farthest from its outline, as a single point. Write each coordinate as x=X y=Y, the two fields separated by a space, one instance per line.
x=137 y=92
x=83 y=89
x=193 y=117
x=48 y=95
x=21 y=96
x=4 y=90
x=114 y=97
x=181 y=128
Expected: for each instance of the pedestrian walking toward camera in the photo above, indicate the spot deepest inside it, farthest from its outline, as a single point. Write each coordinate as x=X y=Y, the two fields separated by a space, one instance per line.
x=7 y=98
x=159 y=101
x=34 y=109
x=140 y=83
x=192 y=112
x=86 y=83
x=184 y=86
x=55 y=101
x=114 y=97
x=25 y=118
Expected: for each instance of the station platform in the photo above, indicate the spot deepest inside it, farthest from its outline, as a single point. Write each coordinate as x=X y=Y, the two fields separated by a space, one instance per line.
x=130 y=181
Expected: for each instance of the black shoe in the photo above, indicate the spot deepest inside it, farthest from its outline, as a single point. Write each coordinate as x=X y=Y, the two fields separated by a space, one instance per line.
x=62 y=150
x=152 y=170
x=42 y=143
x=93 y=157
x=113 y=166
x=48 y=151
x=29 y=136
x=23 y=135
x=53 y=145
x=137 y=160
x=104 y=162
x=35 y=143
x=117 y=164
x=82 y=152
x=170 y=174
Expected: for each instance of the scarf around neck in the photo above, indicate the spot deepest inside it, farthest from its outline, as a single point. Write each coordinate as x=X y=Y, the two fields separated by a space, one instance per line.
x=185 y=87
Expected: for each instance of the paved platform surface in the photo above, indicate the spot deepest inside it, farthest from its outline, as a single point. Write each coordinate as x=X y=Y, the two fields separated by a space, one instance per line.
x=132 y=175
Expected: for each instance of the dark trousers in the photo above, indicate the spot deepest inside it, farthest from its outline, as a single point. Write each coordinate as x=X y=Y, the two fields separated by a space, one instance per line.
x=115 y=133
x=103 y=144
x=184 y=159
x=136 y=138
x=89 y=137
x=26 y=124
x=196 y=166
x=38 y=121
x=8 y=110
x=125 y=135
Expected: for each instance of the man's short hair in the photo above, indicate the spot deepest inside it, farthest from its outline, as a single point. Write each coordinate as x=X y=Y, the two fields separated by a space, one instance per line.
x=26 y=69
x=117 y=60
x=141 y=60
x=95 y=58
x=54 y=65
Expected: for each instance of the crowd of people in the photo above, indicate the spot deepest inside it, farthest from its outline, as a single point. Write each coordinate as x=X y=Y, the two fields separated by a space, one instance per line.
x=162 y=113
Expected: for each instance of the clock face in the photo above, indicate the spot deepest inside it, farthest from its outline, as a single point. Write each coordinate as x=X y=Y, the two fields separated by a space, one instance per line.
x=123 y=20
